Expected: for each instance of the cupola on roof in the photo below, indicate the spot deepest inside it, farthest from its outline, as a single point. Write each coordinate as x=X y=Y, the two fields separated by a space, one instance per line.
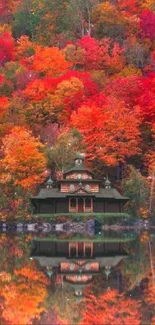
x=107 y=183
x=79 y=165
x=49 y=182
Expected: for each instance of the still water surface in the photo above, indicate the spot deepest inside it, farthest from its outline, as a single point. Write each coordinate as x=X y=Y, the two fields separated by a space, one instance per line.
x=105 y=278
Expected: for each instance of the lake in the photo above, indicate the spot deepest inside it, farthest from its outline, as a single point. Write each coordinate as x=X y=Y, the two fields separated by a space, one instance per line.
x=77 y=277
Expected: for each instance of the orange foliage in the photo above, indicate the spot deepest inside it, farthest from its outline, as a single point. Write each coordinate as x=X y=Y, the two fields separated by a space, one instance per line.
x=149 y=294
x=35 y=90
x=22 y=162
x=23 y=295
x=25 y=48
x=31 y=273
x=49 y=61
x=110 y=308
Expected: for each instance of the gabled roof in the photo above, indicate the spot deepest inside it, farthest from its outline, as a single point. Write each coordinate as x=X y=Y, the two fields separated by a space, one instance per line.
x=81 y=189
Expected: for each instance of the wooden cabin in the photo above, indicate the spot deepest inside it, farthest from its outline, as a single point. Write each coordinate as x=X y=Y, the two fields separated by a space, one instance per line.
x=78 y=192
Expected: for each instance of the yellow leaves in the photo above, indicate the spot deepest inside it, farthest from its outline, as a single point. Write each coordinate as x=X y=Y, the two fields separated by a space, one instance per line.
x=5 y=277
x=129 y=70
x=70 y=87
x=5 y=28
x=106 y=12
x=35 y=90
x=74 y=54
x=66 y=89
x=149 y=4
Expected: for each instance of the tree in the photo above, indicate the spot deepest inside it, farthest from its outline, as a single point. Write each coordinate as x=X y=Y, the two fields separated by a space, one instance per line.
x=137 y=52
x=24 y=22
x=110 y=132
x=109 y=21
x=48 y=61
x=64 y=150
x=63 y=302
x=147 y=24
x=23 y=163
x=25 y=47
x=6 y=47
x=90 y=46
x=4 y=104
x=53 y=99
x=66 y=97
x=104 y=54
x=75 y=55
x=149 y=4
x=136 y=91
x=137 y=189
x=111 y=55
x=130 y=7
x=52 y=317
x=149 y=295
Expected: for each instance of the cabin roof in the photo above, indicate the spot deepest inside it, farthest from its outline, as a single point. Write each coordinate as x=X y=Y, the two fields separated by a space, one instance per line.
x=78 y=169
x=110 y=193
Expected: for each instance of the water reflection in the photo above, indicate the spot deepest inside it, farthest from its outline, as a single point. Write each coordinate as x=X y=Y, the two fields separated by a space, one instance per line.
x=103 y=278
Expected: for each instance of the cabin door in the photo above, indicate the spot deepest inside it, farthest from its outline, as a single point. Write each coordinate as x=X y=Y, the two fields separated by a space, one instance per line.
x=80 y=205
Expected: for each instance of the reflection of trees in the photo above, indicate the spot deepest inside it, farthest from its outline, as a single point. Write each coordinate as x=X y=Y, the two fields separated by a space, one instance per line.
x=149 y=302
x=110 y=308
x=23 y=288
x=136 y=265
x=23 y=294
x=149 y=292
x=64 y=303
x=13 y=251
x=51 y=318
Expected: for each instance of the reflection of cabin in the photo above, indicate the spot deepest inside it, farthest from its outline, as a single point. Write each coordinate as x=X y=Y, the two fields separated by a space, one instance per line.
x=77 y=262
x=78 y=192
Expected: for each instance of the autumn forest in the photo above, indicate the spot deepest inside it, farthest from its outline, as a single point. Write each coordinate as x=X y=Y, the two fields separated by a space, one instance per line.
x=74 y=76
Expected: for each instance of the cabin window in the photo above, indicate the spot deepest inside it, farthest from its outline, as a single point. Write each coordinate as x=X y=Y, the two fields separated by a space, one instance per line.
x=73 y=203
x=88 y=203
